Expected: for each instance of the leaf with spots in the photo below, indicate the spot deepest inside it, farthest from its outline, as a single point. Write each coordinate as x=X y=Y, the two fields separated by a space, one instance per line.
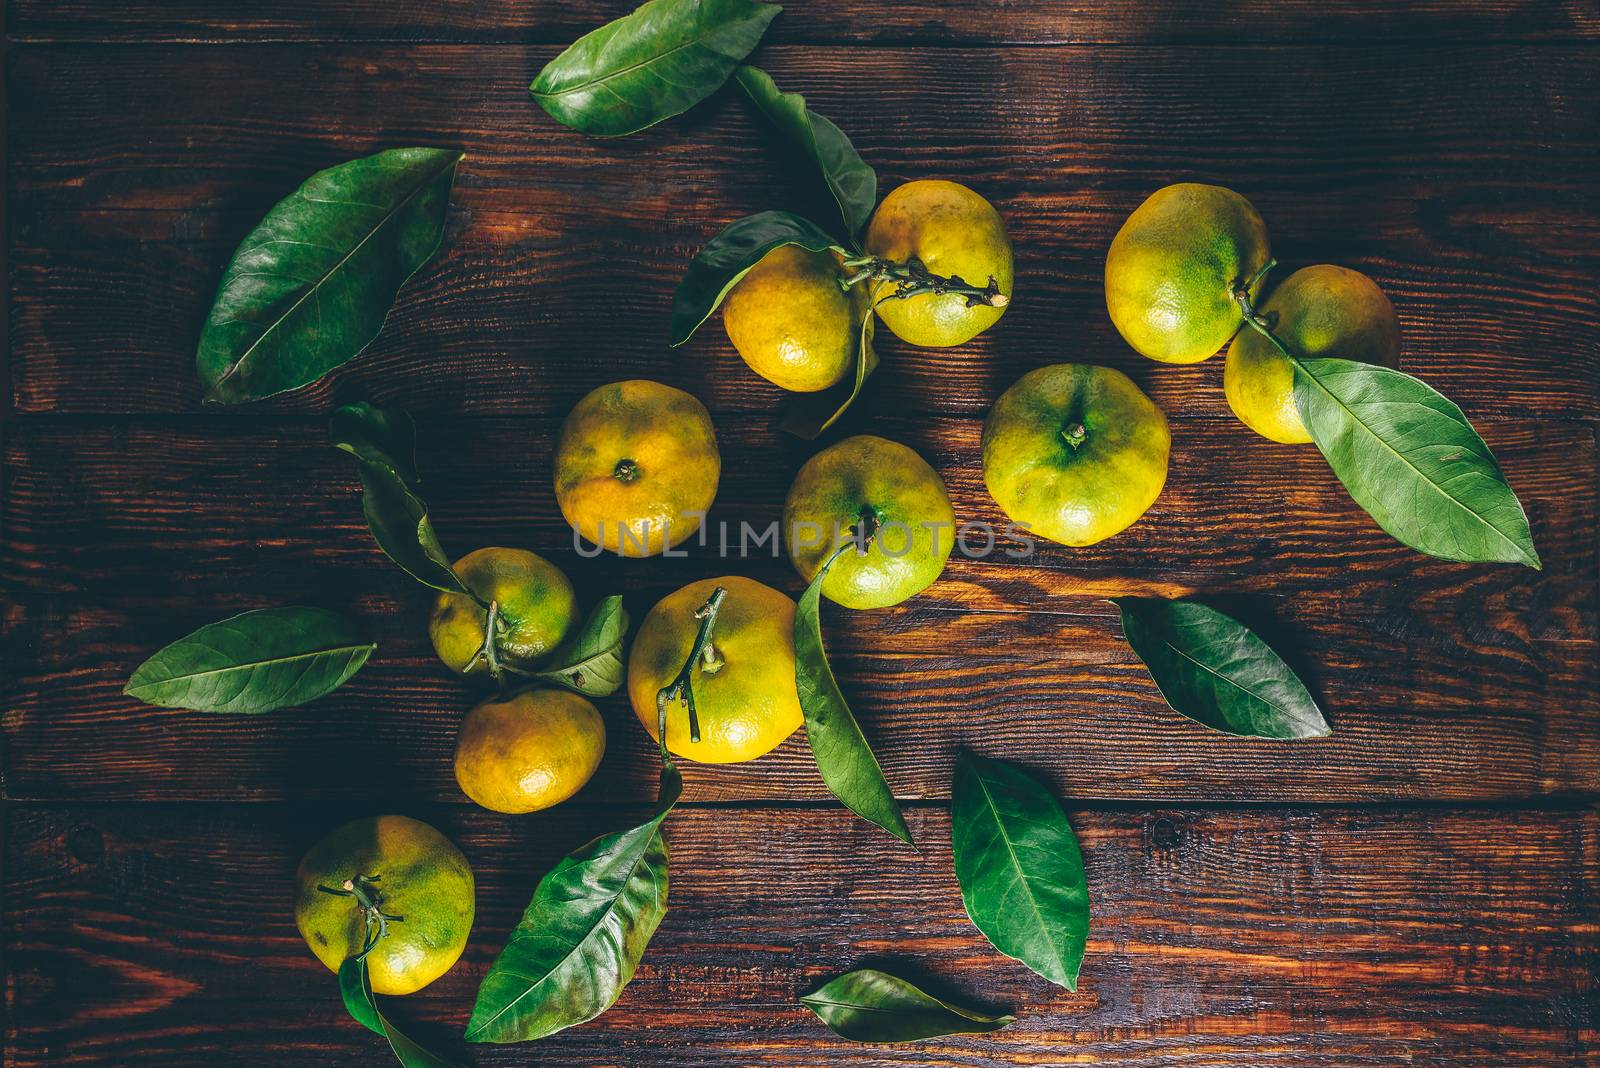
x=590 y=662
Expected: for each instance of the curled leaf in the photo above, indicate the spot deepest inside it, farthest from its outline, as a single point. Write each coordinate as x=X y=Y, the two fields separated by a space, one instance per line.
x=311 y=285
x=1409 y=456
x=384 y=445
x=843 y=756
x=853 y=184
x=590 y=662
x=1019 y=868
x=659 y=61
x=872 y=1006
x=728 y=257
x=254 y=662
x=356 y=988
x=1217 y=671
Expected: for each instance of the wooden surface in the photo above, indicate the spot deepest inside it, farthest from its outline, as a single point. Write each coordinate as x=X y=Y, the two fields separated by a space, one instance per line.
x=1421 y=889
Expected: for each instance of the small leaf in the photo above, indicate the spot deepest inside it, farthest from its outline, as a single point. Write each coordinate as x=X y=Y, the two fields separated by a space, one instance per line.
x=729 y=257
x=384 y=444
x=590 y=662
x=1217 y=671
x=356 y=988
x=1409 y=456
x=843 y=757
x=655 y=63
x=1020 y=871
x=312 y=284
x=854 y=185
x=254 y=662
x=811 y=414
x=580 y=939
x=873 y=1006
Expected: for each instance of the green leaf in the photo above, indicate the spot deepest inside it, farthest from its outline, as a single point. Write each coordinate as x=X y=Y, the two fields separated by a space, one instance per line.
x=655 y=63
x=580 y=939
x=841 y=751
x=1409 y=456
x=811 y=414
x=872 y=1006
x=312 y=284
x=1018 y=864
x=363 y=1007
x=1217 y=671
x=854 y=185
x=254 y=662
x=721 y=264
x=384 y=444
x=590 y=662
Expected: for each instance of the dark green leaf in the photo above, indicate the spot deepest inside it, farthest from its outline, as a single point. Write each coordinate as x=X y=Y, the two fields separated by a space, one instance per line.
x=580 y=939
x=655 y=63
x=1019 y=868
x=813 y=413
x=853 y=184
x=873 y=1006
x=384 y=445
x=590 y=662
x=359 y=1002
x=311 y=285
x=1216 y=671
x=254 y=662
x=1409 y=456
x=379 y=436
x=729 y=257
x=841 y=751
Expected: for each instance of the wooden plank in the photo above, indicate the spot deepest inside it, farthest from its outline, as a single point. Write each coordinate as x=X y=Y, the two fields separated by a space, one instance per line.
x=135 y=170
x=161 y=935
x=1024 y=22
x=1443 y=680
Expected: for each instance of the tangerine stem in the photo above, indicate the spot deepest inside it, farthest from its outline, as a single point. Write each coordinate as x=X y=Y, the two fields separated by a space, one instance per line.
x=914 y=279
x=682 y=687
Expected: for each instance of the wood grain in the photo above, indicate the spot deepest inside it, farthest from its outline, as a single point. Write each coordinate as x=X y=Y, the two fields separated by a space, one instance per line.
x=161 y=935
x=925 y=22
x=135 y=170
x=1443 y=680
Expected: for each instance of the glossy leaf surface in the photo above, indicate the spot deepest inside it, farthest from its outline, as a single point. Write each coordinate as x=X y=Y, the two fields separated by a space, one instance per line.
x=853 y=184
x=658 y=61
x=1217 y=671
x=356 y=988
x=254 y=662
x=872 y=1006
x=1409 y=456
x=1019 y=868
x=591 y=661
x=312 y=284
x=843 y=755
x=579 y=941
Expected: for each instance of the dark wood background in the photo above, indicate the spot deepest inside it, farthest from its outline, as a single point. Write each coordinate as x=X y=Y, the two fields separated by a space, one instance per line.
x=1421 y=889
